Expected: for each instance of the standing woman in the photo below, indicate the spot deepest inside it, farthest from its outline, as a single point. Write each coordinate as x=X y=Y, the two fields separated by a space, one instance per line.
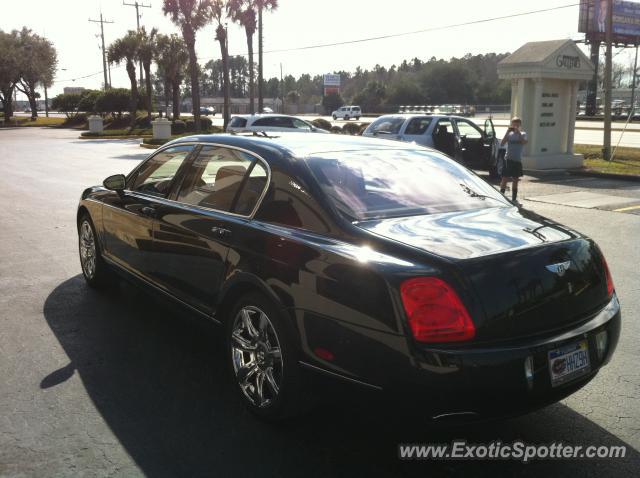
x=515 y=139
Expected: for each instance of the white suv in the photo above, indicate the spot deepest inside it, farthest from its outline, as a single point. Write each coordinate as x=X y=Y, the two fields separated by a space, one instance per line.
x=347 y=112
x=271 y=122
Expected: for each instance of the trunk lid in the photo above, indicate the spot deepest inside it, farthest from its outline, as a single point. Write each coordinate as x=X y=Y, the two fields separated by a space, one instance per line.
x=529 y=274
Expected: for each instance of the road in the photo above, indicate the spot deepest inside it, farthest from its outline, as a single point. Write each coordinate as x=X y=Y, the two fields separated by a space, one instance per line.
x=117 y=383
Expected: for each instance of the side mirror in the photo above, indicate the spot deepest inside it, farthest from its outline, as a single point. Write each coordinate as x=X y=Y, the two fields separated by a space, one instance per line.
x=117 y=182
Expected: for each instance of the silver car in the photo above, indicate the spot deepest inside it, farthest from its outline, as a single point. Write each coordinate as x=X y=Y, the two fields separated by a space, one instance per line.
x=455 y=136
x=271 y=123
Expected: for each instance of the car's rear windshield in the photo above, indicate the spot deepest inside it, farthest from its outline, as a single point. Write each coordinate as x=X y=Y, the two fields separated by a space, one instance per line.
x=388 y=125
x=238 y=122
x=380 y=184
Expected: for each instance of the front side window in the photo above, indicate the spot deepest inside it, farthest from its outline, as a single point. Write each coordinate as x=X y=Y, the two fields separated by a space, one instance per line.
x=468 y=129
x=224 y=179
x=156 y=175
x=392 y=183
x=388 y=125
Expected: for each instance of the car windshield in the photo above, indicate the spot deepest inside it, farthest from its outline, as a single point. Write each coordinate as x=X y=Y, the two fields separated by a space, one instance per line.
x=380 y=184
x=388 y=125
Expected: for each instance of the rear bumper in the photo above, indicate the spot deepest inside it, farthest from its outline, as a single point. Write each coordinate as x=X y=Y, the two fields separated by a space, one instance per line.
x=492 y=381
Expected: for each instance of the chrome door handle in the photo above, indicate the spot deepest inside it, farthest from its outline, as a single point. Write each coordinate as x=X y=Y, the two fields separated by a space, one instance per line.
x=148 y=211
x=221 y=231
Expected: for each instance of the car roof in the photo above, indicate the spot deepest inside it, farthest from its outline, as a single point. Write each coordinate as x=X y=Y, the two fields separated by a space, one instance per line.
x=299 y=145
x=264 y=115
x=421 y=115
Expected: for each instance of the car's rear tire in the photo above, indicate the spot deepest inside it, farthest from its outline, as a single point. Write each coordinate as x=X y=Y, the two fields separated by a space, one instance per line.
x=357 y=118
x=94 y=269
x=263 y=359
x=346 y=118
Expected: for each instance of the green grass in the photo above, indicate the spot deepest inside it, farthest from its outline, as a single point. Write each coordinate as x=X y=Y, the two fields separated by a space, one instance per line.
x=39 y=121
x=626 y=160
x=109 y=133
x=159 y=142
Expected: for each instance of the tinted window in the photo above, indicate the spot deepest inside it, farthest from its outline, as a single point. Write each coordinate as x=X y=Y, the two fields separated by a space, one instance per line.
x=380 y=184
x=289 y=204
x=276 y=121
x=299 y=124
x=224 y=179
x=388 y=125
x=418 y=125
x=238 y=122
x=156 y=175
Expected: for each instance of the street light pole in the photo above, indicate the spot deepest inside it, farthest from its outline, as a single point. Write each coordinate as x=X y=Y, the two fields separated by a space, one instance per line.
x=606 y=150
x=633 y=83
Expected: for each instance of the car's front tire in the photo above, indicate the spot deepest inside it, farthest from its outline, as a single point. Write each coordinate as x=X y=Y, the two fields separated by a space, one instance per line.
x=95 y=271
x=335 y=117
x=263 y=358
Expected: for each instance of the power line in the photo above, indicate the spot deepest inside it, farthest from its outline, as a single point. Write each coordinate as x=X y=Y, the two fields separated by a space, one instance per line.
x=414 y=32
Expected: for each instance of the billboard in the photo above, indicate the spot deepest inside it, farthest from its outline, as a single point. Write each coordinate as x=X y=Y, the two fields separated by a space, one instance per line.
x=626 y=20
x=332 y=80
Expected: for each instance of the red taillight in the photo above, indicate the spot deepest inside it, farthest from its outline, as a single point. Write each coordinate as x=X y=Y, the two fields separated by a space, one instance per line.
x=610 y=286
x=435 y=312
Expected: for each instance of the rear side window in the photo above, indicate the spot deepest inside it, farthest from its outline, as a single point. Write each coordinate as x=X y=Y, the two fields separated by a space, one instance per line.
x=289 y=203
x=275 y=121
x=418 y=125
x=388 y=125
x=237 y=122
x=224 y=179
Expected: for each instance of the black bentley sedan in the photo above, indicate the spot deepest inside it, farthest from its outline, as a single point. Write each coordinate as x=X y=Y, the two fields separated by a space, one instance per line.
x=383 y=264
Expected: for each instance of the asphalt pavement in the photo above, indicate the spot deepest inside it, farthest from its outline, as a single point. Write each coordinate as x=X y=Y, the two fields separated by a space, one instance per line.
x=119 y=383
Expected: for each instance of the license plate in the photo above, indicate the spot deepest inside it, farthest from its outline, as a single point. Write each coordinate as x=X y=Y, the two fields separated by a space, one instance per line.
x=568 y=362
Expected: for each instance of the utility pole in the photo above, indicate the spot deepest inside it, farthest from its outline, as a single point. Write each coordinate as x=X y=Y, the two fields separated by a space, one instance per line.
x=281 y=88
x=606 y=150
x=104 y=53
x=138 y=6
x=633 y=84
x=260 y=92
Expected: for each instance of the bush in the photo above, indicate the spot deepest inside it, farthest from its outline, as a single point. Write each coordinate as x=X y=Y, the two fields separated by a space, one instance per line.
x=321 y=123
x=363 y=126
x=205 y=123
x=351 y=128
x=77 y=120
x=178 y=127
x=88 y=101
x=336 y=129
x=67 y=103
x=115 y=100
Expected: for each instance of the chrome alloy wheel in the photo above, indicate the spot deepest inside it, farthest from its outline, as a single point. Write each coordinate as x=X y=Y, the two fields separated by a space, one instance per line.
x=256 y=355
x=87 y=250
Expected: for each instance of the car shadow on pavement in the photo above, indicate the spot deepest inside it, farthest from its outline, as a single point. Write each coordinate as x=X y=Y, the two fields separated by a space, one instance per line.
x=158 y=378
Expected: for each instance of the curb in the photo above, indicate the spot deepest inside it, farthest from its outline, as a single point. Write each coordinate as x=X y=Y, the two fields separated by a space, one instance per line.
x=150 y=146
x=596 y=174
x=114 y=137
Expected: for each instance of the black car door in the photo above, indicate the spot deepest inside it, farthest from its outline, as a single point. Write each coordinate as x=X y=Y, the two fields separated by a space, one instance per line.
x=129 y=215
x=475 y=148
x=194 y=231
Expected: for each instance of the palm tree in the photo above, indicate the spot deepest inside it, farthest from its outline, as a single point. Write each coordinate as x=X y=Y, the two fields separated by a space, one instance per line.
x=171 y=56
x=243 y=12
x=219 y=11
x=190 y=16
x=146 y=52
x=262 y=5
x=127 y=49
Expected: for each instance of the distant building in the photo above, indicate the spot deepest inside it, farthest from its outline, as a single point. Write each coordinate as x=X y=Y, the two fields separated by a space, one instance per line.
x=77 y=90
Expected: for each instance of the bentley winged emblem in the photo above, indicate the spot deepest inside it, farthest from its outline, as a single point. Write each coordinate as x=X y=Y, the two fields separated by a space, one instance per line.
x=560 y=268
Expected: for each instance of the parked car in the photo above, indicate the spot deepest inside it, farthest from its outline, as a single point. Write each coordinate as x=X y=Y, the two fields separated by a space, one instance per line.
x=347 y=112
x=207 y=110
x=459 y=138
x=382 y=264
x=271 y=122
x=266 y=109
